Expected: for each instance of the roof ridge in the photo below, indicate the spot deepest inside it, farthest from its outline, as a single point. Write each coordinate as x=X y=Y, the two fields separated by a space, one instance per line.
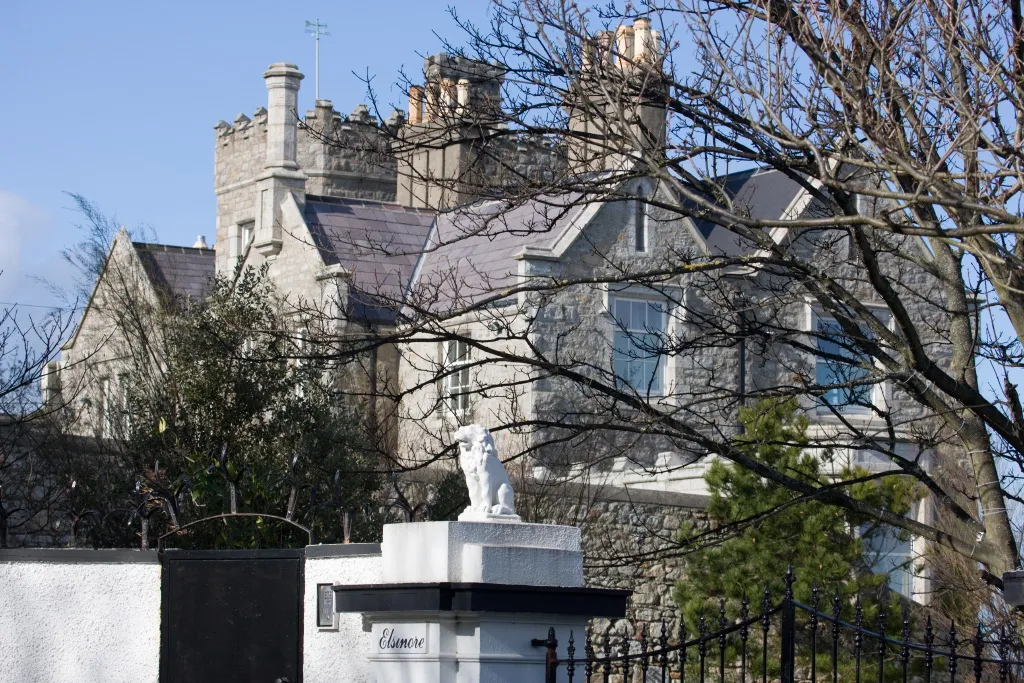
x=156 y=246
x=328 y=199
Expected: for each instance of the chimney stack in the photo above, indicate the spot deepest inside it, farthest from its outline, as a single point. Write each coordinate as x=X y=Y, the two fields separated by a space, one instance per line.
x=630 y=58
x=281 y=176
x=449 y=115
x=282 y=115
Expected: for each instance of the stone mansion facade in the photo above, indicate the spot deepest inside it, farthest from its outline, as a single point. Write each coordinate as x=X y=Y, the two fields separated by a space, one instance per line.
x=350 y=227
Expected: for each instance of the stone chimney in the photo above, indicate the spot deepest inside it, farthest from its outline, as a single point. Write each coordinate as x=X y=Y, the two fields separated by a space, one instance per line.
x=449 y=116
x=281 y=174
x=626 y=64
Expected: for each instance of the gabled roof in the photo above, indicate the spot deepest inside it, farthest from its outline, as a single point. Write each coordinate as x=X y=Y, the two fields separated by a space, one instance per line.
x=472 y=251
x=394 y=253
x=757 y=193
x=178 y=272
x=376 y=242
x=174 y=272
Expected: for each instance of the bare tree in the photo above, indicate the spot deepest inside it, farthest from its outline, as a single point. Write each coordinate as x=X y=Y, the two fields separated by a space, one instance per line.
x=874 y=296
x=29 y=499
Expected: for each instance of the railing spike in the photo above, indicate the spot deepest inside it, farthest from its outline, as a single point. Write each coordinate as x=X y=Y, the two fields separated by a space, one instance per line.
x=588 y=651
x=952 y=652
x=1004 y=651
x=570 y=651
x=979 y=646
x=929 y=640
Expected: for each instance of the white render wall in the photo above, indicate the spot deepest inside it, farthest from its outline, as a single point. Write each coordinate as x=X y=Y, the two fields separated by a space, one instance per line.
x=340 y=654
x=75 y=615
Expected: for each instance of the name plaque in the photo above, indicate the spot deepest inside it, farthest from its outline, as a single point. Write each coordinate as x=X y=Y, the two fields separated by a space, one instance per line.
x=402 y=639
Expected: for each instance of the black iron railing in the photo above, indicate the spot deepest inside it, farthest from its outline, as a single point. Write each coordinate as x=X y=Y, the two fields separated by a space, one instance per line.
x=791 y=641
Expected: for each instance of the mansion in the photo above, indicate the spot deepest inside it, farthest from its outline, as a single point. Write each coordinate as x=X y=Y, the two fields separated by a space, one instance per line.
x=413 y=230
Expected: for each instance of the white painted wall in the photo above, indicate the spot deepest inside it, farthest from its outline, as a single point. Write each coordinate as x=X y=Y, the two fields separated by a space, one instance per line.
x=337 y=655
x=63 y=620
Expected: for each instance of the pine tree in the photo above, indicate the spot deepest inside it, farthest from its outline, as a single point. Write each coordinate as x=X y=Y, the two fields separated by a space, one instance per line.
x=759 y=528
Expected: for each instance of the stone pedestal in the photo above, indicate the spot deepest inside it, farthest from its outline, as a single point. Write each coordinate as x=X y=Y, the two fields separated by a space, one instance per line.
x=462 y=601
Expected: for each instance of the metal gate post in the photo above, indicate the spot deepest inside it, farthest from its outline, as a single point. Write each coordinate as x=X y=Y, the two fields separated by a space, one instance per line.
x=788 y=629
x=551 y=658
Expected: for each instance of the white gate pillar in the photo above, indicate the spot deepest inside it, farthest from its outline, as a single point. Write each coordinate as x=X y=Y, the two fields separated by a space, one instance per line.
x=462 y=601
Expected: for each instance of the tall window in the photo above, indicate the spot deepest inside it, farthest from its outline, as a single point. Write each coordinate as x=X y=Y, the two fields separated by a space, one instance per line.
x=301 y=349
x=639 y=226
x=842 y=367
x=244 y=236
x=124 y=409
x=456 y=380
x=637 y=356
x=889 y=551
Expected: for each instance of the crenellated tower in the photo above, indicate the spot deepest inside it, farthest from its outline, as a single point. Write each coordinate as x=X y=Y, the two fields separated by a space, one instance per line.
x=259 y=159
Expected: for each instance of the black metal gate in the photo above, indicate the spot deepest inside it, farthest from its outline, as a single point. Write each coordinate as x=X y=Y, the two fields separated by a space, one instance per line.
x=231 y=616
x=791 y=642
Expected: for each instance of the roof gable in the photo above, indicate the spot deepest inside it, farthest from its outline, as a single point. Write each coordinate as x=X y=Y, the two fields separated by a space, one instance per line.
x=378 y=245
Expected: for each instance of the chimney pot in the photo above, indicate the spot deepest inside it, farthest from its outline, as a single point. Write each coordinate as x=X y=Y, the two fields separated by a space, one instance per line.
x=200 y=243
x=416 y=104
x=624 y=40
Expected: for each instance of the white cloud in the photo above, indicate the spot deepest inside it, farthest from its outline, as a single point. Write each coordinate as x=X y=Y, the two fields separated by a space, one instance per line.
x=26 y=249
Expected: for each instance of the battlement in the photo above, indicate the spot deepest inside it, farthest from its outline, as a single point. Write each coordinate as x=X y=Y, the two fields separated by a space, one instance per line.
x=342 y=156
x=512 y=161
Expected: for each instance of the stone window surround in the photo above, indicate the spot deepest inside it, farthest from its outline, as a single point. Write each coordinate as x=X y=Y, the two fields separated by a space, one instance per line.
x=881 y=393
x=668 y=295
x=242 y=237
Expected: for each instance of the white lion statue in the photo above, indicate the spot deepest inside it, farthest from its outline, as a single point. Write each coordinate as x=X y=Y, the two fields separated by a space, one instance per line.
x=490 y=491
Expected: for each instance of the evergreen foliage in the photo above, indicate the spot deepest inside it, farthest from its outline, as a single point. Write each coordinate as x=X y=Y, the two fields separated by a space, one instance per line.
x=238 y=413
x=752 y=549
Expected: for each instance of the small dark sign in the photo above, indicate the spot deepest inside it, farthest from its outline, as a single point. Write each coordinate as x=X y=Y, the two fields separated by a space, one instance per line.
x=325 y=605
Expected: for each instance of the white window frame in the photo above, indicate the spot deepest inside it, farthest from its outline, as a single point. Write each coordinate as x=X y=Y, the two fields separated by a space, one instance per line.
x=123 y=409
x=880 y=393
x=244 y=231
x=456 y=357
x=881 y=561
x=662 y=360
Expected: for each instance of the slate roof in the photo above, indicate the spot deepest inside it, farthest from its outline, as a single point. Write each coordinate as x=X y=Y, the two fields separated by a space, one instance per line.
x=471 y=253
x=378 y=243
x=759 y=193
x=463 y=255
x=178 y=272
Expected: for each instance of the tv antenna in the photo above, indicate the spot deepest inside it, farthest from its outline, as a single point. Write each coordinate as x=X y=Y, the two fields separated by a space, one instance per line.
x=316 y=29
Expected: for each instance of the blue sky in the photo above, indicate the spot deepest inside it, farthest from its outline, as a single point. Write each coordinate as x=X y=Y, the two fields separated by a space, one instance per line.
x=117 y=101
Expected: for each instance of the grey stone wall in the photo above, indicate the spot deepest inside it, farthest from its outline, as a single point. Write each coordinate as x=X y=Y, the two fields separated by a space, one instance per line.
x=347 y=156
x=621 y=543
